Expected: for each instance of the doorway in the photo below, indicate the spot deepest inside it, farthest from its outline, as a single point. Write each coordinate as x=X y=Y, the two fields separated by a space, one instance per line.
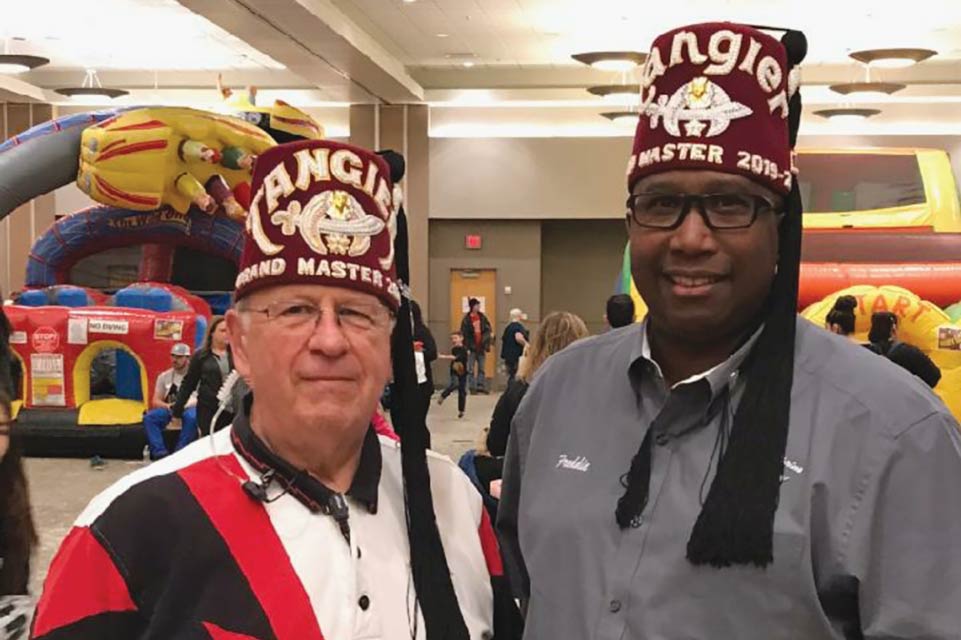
x=481 y=284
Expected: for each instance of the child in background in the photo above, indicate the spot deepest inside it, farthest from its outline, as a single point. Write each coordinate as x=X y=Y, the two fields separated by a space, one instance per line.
x=458 y=373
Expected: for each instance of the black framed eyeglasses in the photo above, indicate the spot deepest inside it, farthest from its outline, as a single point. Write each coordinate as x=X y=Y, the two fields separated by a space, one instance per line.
x=718 y=210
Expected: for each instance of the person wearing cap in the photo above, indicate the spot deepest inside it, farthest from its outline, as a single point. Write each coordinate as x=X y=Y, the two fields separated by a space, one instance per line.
x=478 y=336
x=165 y=394
x=298 y=522
x=726 y=469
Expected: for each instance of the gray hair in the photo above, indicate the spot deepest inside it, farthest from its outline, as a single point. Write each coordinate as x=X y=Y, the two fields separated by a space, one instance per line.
x=516 y=314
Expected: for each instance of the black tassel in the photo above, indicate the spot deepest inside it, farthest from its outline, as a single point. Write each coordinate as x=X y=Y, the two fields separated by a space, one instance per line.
x=432 y=580
x=637 y=485
x=736 y=524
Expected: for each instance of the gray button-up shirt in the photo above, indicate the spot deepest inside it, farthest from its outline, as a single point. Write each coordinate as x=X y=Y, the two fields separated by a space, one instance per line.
x=867 y=534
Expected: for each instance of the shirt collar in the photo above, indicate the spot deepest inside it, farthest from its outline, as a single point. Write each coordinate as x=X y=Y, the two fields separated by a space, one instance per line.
x=309 y=491
x=718 y=376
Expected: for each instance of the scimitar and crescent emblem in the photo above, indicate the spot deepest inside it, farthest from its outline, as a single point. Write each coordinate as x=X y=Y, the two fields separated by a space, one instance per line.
x=700 y=103
x=332 y=222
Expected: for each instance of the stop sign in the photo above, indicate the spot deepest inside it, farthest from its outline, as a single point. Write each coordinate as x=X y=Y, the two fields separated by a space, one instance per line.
x=45 y=340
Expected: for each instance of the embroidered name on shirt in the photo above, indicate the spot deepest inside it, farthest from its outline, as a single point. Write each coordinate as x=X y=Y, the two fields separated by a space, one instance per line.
x=580 y=463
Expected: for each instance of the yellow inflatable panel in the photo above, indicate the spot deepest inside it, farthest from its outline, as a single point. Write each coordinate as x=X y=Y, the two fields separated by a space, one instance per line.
x=112 y=411
x=640 y=307
x=15 y=409
x=918 y=320
x=920 y=323
x=146 y=158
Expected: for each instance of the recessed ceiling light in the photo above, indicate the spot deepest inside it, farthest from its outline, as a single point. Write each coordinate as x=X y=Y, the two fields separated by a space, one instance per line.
x=892 y=58
x=13 y=63
x=622 y=117
x=617 y=93
x=91 y=92
x=867 y=88
x=409 y=1
x=468 y=64
x=845 y=114
x=442 y=35
x=611 y=60
x=91 y=88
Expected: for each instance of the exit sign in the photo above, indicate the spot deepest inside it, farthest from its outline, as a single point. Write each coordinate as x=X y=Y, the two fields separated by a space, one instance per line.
x=472 y=241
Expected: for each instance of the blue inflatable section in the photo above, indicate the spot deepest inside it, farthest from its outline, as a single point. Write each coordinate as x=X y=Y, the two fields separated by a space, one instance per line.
x=98 y=228
x=137 y=297
x=201 y=332
x=219 y=302
x=61 y=124
x=62 y=296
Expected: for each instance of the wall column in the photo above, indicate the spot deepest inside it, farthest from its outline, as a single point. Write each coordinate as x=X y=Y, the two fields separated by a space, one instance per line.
x=403 y=128
x=19 y=229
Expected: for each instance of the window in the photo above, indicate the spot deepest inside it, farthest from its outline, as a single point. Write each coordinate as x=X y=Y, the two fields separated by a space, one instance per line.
x=852 y=182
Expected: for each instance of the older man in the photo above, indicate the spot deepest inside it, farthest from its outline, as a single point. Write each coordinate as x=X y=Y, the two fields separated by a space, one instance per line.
x=724 y=469
x=298 y=522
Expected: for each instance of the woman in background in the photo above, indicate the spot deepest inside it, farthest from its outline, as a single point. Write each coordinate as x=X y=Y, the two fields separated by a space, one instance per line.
x=840 y=318
x=208 y=370
x=556 y=332
x=18 y=535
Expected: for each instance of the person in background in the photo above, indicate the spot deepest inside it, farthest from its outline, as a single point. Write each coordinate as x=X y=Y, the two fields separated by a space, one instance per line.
x=513 y=343
x=555 y=333
x=478 y=335
x=620 y=311
x=165 y=394
x=458 y=373
x=425 y=353
x=208 y=370
x=18 y=535
x=883 y=340
x=840 y=318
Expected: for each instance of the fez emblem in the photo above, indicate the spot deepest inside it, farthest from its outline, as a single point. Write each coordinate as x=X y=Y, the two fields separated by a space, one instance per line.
x=332 y=222
x=699 y=104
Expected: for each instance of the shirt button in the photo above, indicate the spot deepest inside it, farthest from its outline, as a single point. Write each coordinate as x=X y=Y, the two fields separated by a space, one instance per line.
x=662 y=439
x=615 y=606
x=364 y=603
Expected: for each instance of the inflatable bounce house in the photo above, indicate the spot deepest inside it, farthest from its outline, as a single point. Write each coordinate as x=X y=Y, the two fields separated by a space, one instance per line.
x=883 y=225
x=86 y=361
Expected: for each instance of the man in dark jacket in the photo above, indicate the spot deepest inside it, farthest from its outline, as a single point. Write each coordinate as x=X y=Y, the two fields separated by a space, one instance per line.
x=478 y=335
x=513 y=343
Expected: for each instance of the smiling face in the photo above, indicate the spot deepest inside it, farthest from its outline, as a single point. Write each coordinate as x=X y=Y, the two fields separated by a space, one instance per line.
x=702 y=285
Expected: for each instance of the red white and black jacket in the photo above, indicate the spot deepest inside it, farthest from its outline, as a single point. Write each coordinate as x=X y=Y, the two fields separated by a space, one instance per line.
x=180 y=550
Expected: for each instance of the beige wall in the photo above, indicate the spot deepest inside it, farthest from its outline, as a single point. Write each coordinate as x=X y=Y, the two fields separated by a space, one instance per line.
x=555 y=178
x=19 y=229
x=579 y=268
x=542 y=178
x=512 y=247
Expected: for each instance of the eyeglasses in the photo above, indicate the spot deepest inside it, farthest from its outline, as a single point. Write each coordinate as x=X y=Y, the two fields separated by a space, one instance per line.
x=718 y=210
x=298 y=315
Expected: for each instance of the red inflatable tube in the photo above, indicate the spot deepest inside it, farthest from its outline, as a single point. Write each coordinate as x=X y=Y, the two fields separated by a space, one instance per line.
x=938 y=282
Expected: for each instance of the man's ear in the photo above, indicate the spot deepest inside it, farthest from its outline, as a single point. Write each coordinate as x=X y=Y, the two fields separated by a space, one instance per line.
x=238 y=342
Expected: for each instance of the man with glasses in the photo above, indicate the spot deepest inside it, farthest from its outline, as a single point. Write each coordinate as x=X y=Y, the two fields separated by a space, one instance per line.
x=725 y=469
x=298 y=522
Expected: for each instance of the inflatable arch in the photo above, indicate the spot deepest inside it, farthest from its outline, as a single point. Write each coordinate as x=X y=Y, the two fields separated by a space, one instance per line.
x=95 y=229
